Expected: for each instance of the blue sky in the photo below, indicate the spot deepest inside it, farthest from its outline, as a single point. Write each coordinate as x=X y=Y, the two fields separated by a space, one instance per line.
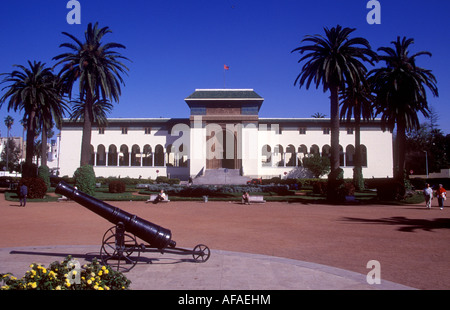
x=178 y=46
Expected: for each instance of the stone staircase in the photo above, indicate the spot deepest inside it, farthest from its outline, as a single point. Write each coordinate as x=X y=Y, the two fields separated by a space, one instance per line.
x=221 y=176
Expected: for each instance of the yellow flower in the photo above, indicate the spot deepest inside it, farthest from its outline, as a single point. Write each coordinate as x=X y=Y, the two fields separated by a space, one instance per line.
x=100 y=273
x=103 y=268
x=58 y=288
x=32 y=284
x=89 y=281
x=106 y=271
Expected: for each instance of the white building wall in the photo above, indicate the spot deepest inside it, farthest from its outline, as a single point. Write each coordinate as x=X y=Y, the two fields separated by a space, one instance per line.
x=377 y=143
x=70 y=151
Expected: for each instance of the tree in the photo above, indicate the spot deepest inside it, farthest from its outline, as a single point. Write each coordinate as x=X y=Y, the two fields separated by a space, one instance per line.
x=357 y=103
x=99 y=109
x=401 y=93
x=9 y=121
x=317 y=165
x=10 y=160
x=98 y=68
x=49 y=116
x=30 y=90
x=334 y=61
x=318 y=115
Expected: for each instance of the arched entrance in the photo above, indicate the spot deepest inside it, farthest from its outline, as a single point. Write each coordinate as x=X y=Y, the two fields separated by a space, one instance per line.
x=223 y=149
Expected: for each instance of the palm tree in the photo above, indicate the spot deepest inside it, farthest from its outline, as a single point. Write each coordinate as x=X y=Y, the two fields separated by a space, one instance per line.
x=400 y=89
x=98 y=68
x=318 y=115
x=30 y=90
x=100 y=108
x=334 y=61
x=9 y=121
x=356 y=102
x=49 y=116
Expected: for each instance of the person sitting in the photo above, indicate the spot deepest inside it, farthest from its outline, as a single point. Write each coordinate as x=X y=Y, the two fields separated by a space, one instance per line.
x=161 y=196
x=246 y=198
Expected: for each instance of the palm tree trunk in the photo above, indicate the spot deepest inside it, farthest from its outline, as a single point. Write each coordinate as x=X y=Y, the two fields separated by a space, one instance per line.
x=87 y=130
x=357 y=170
x=334 y=118
x=27 y=169
x=44 y=147
x=399 y=172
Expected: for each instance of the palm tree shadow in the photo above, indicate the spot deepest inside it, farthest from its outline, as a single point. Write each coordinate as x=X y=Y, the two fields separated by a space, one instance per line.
x=406 y=224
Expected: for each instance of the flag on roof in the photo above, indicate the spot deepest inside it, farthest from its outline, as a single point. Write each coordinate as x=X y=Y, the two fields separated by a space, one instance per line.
x=225 y=67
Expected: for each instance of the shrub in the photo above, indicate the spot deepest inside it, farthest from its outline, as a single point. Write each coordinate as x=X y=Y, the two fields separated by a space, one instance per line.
x=67 y=275
x=44 y=174
x=391 y=190
x=167 y=180
x=36 y=187
x=85 y=179
x=116 y=186
x=320 y=187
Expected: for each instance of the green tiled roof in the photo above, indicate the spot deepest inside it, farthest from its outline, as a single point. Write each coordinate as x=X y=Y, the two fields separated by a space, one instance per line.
x=226 y=94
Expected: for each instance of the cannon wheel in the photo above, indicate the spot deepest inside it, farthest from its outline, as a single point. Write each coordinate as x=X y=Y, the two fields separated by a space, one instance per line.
x=201 y=253
x=118 y=248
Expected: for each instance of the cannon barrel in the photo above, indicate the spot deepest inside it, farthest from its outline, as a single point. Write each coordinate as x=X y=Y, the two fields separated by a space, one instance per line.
x=157 y=236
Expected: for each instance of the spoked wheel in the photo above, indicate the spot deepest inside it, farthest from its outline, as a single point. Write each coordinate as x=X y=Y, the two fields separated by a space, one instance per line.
x=201 y=253
x=119 y=249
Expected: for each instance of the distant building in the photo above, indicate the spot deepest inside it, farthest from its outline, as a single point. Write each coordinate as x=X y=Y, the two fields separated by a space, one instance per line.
x=223 y=132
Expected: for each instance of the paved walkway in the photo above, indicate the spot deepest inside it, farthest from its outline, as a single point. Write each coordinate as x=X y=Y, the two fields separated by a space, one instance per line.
x=269 y=246
x=224 y=270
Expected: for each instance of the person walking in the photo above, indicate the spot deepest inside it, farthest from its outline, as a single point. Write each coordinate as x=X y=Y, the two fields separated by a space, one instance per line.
x=441 y=194
x=428 y=194
x=23 y=192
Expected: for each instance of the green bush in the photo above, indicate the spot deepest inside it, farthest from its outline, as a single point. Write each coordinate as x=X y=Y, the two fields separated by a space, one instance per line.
x=36 y=187
x=67 y=275
x=44 y=174
x=116 y=186
x=84 y=178
x=391 y=190
x=167 y=180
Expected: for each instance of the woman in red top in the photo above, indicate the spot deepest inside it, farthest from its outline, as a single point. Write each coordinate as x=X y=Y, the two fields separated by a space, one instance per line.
x=441 y=194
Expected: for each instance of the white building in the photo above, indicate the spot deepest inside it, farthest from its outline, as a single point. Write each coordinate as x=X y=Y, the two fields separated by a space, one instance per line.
x=223 y=132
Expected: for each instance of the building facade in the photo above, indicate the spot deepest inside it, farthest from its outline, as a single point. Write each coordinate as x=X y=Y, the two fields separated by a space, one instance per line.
x=223 y=131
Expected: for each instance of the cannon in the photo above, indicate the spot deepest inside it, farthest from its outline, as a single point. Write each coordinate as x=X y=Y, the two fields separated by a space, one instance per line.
x=120 y=248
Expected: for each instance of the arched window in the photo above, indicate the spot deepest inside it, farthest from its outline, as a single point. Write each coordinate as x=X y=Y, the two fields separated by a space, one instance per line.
x=124 y=157
x=159 y=156
x=170 y=156
x=147 y=159
x=135 y=156
x=302 y=152
x=350 y=155
x=101 y=155
x=314 y=150
x=278 y=155
x=112 y=155
x=290 y=156
x=266 y=153
x=341 y=156
x=363 y=155
x=326 y=150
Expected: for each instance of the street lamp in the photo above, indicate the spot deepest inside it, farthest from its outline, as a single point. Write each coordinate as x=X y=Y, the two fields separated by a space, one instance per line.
x=426 y=162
